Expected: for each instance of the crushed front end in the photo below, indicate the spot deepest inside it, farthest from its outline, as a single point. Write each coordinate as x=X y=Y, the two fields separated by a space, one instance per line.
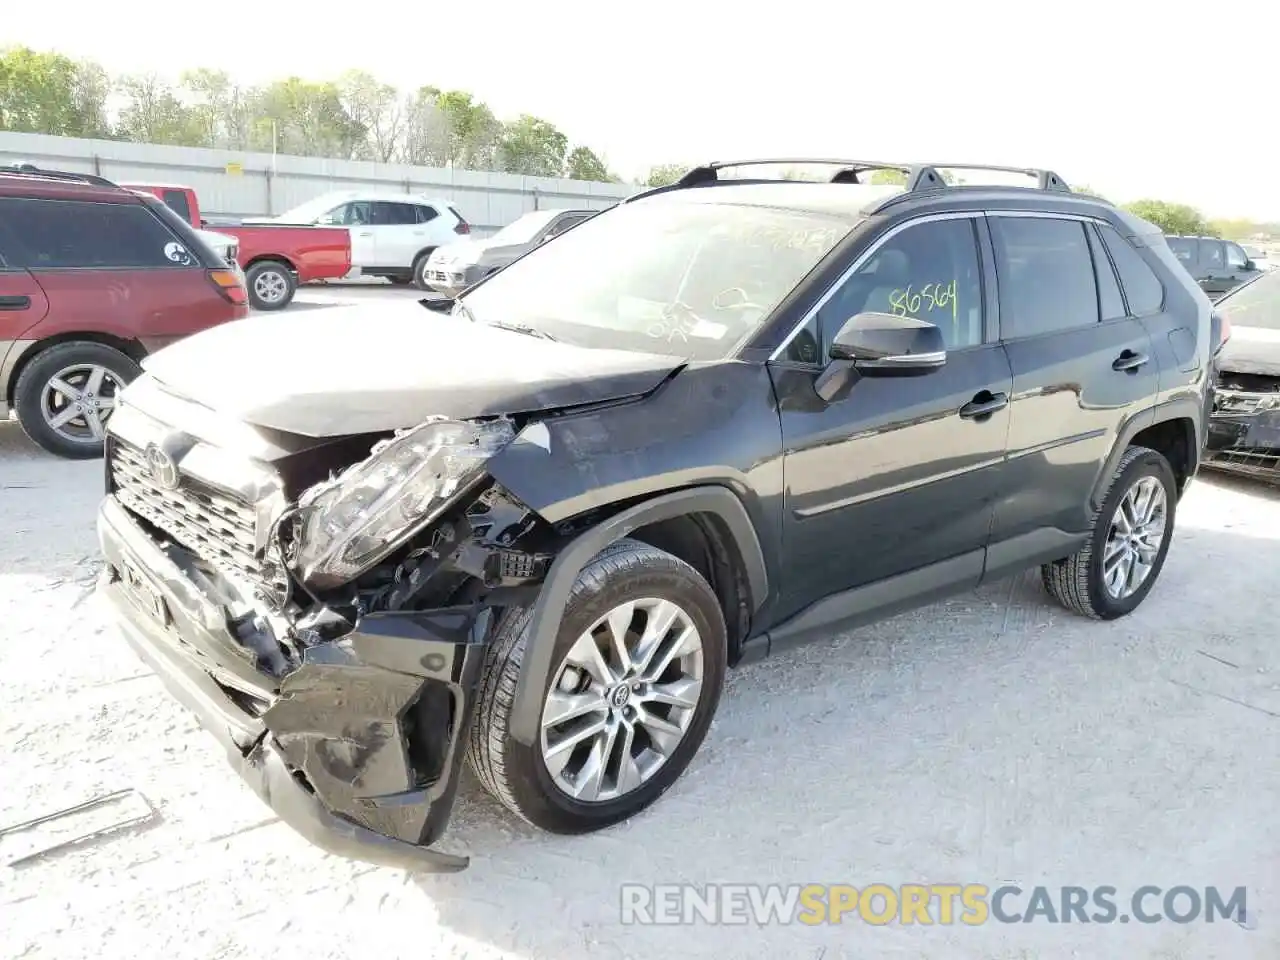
x=1244 y=428
x=330 y=633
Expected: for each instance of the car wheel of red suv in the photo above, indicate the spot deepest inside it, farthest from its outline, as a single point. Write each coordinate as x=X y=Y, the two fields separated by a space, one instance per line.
x=66 y=394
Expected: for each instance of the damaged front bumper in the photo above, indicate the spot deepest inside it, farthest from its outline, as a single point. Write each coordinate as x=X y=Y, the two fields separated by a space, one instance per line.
x=1244 y=434
x=359 y=748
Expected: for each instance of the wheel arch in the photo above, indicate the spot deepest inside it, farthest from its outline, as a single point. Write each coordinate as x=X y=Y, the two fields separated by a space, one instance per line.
x=133 y=349
x=1171 y=429
x=279 y=258
x=719 y=514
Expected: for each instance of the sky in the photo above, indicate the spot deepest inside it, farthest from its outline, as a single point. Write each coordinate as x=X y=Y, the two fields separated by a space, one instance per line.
x=1133 y=98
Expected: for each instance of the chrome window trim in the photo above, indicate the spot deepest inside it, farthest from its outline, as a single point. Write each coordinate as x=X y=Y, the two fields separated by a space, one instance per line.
x=862 y=259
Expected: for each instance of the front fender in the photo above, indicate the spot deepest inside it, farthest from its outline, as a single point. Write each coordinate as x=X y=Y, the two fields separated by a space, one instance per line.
x=549 y=607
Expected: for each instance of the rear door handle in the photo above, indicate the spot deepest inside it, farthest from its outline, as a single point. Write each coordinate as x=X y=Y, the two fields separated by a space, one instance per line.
x=15 y=303
x=984 y=404
x=1129 y=361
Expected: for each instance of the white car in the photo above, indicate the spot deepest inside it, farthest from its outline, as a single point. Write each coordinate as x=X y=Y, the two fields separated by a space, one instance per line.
x=1259 y=258
x=227 y=247
x=392 y=234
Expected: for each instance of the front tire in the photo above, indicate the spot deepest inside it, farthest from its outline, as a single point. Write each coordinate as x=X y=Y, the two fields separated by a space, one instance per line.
x=271 y=285
x=649 y=709
x=420 y=269
x=1113 y=573
x=66 y=394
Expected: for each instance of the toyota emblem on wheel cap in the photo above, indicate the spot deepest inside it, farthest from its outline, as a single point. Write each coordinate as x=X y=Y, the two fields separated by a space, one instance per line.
x=162 y=468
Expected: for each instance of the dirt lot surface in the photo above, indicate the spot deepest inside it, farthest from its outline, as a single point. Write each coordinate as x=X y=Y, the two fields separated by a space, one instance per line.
x=991 y=738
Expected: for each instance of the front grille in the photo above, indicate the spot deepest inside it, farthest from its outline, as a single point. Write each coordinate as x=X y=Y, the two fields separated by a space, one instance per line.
x=215 y=526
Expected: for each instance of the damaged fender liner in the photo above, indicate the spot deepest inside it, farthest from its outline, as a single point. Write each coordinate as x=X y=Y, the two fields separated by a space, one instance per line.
x=329 y=755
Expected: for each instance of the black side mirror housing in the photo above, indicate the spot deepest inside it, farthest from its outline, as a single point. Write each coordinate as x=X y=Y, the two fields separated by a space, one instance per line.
x=438 y=304
x=880 y=345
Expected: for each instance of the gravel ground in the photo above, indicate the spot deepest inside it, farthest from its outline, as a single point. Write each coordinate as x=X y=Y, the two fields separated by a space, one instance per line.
x=990 y=738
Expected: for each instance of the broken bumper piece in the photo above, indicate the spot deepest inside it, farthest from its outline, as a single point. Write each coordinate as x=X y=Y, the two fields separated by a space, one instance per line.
x=1244 y=435
x=358 y=749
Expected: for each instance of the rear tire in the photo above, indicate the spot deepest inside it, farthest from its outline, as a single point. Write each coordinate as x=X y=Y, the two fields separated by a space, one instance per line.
x=1080 y=582
x=63 y=424
x=271 y=285
x=520 y=777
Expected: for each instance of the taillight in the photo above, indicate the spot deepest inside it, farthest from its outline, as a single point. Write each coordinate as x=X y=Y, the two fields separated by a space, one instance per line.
x=229 y=286
x=462 y=228
x=1220 y=328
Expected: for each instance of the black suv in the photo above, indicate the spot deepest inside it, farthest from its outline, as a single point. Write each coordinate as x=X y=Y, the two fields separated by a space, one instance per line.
x=718 y=419
x=1217 y=265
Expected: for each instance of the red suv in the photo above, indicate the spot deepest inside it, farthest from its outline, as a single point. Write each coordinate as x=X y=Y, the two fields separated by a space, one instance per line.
x=93 y=278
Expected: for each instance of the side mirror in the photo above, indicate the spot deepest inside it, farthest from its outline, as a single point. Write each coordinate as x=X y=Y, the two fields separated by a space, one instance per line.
x=881 y=345
x=438 y=304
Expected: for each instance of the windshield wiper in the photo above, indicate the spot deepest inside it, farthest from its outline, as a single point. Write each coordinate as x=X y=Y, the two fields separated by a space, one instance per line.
x=522 y=328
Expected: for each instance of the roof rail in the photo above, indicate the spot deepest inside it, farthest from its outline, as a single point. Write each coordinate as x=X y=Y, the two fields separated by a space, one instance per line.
x=23 y=168
x=920 y=176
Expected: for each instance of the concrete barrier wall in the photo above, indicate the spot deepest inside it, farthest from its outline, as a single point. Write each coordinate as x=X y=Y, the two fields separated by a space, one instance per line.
x=232 y=185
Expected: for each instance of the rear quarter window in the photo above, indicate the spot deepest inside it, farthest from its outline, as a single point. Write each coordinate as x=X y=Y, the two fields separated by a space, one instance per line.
x=62 y=234
x=1183 y=249
x=1142 y=288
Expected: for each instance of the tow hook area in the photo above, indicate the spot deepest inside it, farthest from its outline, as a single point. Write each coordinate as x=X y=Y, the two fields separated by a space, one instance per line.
x=372 y=723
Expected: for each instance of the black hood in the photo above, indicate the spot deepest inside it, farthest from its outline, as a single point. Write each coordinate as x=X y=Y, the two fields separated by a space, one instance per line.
x=1252 y=350
x=358 y=369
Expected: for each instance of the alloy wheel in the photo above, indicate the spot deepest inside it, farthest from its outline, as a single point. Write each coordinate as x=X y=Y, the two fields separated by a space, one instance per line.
x=78 y=400
x=270 y=286
x=1137 y=533
x=622 y=700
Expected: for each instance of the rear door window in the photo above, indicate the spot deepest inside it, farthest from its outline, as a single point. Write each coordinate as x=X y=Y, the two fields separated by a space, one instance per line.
x=1211 y=256
x=1110 y=300
x=61 y=234
x=1184 y=249
x=394 y=214
x=1045 y=274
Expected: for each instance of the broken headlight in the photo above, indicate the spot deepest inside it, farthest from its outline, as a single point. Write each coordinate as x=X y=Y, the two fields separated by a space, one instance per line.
x=348 y=524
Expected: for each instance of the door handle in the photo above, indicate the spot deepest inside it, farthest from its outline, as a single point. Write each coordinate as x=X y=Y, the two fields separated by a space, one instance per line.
x=984 y=404
x=1129 y=361
x=367 y=233
x=15 y=303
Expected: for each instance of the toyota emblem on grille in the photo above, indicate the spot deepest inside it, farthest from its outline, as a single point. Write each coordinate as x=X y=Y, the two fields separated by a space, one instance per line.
x=162 y=468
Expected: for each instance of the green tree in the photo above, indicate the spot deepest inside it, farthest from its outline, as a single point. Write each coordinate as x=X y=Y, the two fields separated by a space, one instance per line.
x=533 y=147
x=219 y=107
x=310 y=120
x=1172 y=218
x=426 y=137
x=53 y=94
x=377 y=108
x=665 y=174
x=473 y=130
x=898 y=178
x=583 y=164
x=154 y=114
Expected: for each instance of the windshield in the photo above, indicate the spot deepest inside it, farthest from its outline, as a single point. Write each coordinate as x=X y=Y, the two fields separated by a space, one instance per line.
x=1256 y=304
x=524 y=229
x=307 y=212
x=684 y=277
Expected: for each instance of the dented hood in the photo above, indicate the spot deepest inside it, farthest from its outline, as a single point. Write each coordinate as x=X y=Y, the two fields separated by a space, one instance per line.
x=362 y=369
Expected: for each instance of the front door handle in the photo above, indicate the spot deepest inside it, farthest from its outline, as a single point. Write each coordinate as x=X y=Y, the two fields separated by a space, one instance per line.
x=984 y=404
x=1129 y=361
x=15 y=303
